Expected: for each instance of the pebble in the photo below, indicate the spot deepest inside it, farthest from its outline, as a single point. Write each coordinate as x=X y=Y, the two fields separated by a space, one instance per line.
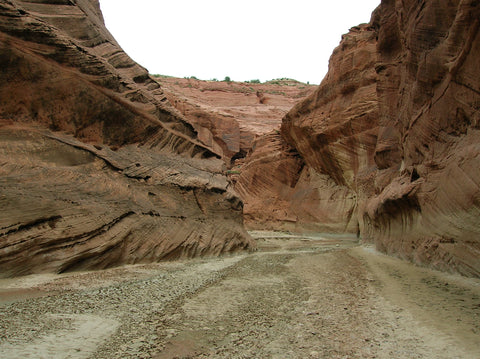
x=131 y=302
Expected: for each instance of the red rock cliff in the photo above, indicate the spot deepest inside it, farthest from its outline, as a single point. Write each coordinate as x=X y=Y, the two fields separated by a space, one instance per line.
x=427 y=184
x=96 y=167
x=390 y=139
x=330 y=137
x=228 y=115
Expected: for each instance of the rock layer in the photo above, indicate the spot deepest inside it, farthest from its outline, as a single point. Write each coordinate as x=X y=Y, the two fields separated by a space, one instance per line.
x=332 y=135
x=393 y=133
x=228 y=115
x=266 y=183
x=426 y=208
x=97 y=168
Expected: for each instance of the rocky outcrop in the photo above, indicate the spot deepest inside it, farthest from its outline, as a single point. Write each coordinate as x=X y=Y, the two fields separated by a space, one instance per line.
x=393 y=133
x=97 y=168
x=266 y=183
x=62 y=69
x=228 y=115
x=332 y=136
x=426 y=204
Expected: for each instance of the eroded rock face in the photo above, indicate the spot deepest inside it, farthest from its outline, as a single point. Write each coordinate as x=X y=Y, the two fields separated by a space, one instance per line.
x=393 y=131
x=96 y=167
x=333 y=134
x=266 y=183
x=426 y=207
x=228 y=115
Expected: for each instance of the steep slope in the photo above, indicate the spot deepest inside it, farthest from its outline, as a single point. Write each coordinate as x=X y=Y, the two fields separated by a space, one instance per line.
x=427 y=208
x=390 y=139
x=97 y=168
x=330 y=140
x=266 y=183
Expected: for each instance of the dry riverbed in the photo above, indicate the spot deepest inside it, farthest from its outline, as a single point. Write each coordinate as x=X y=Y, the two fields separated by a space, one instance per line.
x=297 y=297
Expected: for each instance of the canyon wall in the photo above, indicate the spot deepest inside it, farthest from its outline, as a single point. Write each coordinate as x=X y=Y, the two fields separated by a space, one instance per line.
x=96 y=167
x=323 y=157
x=388 y=146
x=426 y=206
x=228 y=115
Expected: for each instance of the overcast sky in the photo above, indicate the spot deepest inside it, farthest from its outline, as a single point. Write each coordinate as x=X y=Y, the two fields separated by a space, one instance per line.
x=245 y=40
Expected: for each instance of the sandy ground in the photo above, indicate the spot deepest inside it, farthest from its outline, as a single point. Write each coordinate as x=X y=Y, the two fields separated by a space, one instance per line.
x=297 y=297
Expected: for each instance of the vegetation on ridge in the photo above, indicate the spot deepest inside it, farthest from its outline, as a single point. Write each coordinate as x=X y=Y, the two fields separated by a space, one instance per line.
x=284 y=81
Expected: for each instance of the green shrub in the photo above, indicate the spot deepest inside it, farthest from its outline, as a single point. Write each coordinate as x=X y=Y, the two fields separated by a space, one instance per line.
x=233 y=172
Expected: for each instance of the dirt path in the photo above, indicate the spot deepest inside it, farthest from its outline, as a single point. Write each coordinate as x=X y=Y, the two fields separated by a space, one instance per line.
x=297 y=297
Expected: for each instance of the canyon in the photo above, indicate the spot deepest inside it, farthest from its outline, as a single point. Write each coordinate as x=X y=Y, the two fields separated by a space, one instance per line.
x=387 y=147
x=97 y=153
x=104 y=164
x=230 y=115
x=147 y=216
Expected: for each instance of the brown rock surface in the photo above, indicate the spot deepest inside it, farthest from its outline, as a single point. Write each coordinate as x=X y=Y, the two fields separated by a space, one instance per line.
x=228 y=115
x=392 y=136
x=426 y=208
x=96 y=167
x=332 y=136
x=266 y=183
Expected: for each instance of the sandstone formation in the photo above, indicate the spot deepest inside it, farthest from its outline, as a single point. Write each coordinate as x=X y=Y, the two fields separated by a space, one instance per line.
x=325 y=151
x=427 y=185
x=266 y=183
x=228 y=115
x=390 y=139
x=96 y=167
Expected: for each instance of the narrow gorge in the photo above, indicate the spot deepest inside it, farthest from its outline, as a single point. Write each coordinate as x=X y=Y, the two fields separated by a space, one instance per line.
x=99 y=163
x=148 y=216
x=387 y=147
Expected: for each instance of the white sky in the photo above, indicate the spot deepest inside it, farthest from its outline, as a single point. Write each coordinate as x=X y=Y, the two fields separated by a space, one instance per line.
x=245 y=40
